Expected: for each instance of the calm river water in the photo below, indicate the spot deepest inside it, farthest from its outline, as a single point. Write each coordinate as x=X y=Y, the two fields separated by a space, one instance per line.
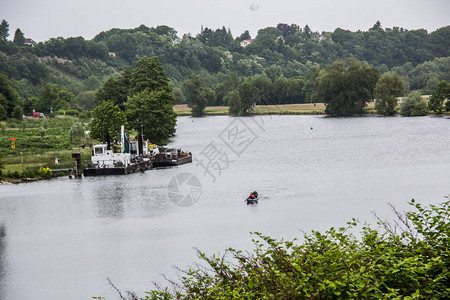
x=61 y=239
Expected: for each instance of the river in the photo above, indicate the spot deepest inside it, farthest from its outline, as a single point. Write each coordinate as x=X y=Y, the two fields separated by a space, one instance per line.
x=62 y=238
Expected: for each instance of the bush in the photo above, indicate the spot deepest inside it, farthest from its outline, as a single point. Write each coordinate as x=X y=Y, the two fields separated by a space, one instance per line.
x=68 y=112
x=42 y=131
x=17 y=112
x=382 y=264
x=45 y=172
x=414 y=105
x=30 y=173
x=14 y=174
x=76 y=131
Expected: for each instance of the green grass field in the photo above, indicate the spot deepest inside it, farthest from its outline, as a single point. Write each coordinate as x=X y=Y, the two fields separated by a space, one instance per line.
x=297 y=109
x=36 y=146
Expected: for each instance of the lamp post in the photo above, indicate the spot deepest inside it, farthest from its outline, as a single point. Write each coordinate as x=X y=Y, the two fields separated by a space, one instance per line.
x=21 y=159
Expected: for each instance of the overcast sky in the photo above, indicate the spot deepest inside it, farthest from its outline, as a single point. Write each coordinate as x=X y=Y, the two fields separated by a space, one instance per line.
x=44 y=19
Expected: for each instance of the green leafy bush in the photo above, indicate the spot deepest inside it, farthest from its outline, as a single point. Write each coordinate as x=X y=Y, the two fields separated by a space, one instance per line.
x=407 y=260
x=414 y=105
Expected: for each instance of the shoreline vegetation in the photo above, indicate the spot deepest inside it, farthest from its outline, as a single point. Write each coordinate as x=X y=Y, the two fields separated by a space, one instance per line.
x=281 y=109
x=406 y=257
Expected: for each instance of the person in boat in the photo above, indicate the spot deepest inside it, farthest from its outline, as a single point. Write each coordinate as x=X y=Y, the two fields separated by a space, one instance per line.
x=255 y=194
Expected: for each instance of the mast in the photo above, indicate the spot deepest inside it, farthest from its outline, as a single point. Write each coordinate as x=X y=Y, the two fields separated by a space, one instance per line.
x=122 y=138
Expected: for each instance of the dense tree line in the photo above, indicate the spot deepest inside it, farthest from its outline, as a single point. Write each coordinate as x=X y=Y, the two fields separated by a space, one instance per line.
x=283 y=63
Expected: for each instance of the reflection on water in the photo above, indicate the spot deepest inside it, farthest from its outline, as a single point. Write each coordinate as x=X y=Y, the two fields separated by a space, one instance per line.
x=2 y=260
x=110 y=200
x=66 y=236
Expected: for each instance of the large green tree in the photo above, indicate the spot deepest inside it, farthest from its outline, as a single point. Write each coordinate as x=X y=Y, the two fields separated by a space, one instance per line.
x=150 y=113
x=438 y=97
x=116 y=89
x=108 y=118
x=148 y=74
x=346 y=90
x=388 y=88
x=198 y=95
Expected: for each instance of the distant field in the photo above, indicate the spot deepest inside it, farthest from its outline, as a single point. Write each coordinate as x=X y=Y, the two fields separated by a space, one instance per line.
x=300 y=109
x=285 y=109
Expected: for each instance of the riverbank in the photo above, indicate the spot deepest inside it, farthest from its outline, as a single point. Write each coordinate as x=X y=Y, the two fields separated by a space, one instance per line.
x=283 y=109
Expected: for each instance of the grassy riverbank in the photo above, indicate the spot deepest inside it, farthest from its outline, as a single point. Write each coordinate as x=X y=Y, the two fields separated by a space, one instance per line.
x=285 y=109
x=39 y=144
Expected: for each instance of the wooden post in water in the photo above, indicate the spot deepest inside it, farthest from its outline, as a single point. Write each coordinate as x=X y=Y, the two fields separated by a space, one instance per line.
x=78 y=169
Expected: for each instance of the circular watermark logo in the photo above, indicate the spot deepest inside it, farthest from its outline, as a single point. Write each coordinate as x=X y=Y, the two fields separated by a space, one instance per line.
x=184 y=189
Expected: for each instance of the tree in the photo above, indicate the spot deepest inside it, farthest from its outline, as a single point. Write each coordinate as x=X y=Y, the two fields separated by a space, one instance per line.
x=108 y=119
x=116 y=89
x=438 y=97
x=249 y=97
x=414 y=105
x=76 y=132
x=244 y=36
x=9 y=97
x=19 y=38
x=376 y=26
x=310 y=88
x=148 y=74
x=86 y=100
x=151 y=113
x=234 y=103
x=17 y=112
x=346 y=91
x=388 y=88
x=284 y=28
x=265 y=88
x=64 y=100
x=3 y=112
x=48 y=95
x=178 y=95
x=273 y=73
x=4 y=30
x=198 y=96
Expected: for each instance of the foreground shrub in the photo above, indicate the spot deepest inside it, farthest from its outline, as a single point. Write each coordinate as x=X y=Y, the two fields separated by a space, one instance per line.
x=410 y=259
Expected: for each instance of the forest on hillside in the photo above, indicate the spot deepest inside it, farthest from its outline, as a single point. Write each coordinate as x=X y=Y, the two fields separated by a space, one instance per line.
x=67 y=72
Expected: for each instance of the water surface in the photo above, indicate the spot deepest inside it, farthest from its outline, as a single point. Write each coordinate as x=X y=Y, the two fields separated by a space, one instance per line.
x=61 y=239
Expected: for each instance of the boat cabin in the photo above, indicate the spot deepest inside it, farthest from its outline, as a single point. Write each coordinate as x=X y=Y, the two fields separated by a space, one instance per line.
x=103 y=158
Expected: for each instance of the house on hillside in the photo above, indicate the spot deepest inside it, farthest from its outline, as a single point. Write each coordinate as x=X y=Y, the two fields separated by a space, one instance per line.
x=245 y=43
x=29 y=42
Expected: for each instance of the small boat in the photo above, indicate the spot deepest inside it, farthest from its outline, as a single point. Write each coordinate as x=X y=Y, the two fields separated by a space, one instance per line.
x=252 y=200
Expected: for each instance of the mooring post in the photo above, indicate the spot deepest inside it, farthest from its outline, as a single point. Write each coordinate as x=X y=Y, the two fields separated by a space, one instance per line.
x=78 y=169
